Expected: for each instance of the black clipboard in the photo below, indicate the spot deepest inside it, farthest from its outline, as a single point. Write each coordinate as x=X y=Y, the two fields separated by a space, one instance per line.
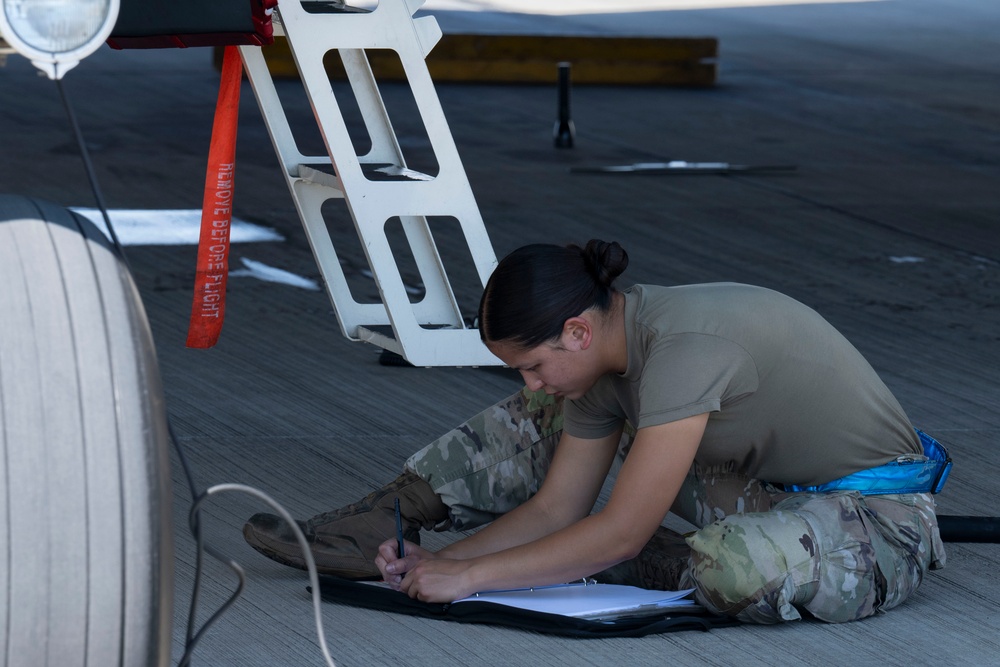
x=360 y=594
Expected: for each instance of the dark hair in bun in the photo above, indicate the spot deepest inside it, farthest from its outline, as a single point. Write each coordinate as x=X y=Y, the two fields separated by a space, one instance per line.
x=536 y=288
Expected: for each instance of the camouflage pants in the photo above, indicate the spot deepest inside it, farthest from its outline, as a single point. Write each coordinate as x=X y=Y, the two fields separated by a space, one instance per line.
x=760 y=555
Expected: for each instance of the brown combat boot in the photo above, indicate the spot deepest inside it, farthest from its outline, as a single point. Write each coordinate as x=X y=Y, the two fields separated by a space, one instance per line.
x=659 y=566
x=344 y=542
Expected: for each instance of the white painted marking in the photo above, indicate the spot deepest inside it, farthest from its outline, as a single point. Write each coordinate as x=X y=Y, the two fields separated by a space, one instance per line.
x=261 y=271
x=171 y=227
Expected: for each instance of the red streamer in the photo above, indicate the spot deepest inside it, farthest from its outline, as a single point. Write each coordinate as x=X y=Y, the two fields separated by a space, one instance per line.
x=209 y=304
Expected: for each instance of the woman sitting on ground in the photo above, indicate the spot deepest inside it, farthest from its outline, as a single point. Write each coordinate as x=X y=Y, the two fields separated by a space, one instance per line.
x=726 y=404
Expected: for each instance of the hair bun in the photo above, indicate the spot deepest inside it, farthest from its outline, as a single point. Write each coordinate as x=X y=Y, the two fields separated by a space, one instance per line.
x=606 y=261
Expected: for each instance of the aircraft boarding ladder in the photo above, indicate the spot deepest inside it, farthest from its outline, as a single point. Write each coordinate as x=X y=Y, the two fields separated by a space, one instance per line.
x=377 y=187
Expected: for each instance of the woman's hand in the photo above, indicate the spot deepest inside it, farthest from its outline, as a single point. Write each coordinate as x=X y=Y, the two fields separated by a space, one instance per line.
x=394 y=568
x=439 y=580
x=422 y=574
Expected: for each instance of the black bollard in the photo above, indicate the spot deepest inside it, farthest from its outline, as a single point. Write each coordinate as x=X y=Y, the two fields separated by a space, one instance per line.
x=564 y=132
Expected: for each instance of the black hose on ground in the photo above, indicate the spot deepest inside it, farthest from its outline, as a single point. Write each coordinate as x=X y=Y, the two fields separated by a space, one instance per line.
x=969 y=528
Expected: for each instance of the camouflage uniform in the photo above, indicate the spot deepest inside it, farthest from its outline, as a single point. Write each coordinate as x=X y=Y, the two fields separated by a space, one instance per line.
x=760 y=555
x=495 y=461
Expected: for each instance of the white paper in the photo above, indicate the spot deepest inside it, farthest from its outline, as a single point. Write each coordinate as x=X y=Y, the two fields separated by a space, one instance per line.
x=586 y=600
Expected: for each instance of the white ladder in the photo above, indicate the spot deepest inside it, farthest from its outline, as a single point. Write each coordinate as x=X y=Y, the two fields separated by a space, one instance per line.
x=431 y=331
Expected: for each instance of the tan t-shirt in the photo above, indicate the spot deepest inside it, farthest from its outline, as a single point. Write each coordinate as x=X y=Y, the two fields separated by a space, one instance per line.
x=790 y=399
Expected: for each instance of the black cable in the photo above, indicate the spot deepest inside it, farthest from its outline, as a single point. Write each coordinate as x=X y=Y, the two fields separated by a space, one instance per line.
x=306 y=554
x=189 y=634
x=191 y=638
x=89 y=168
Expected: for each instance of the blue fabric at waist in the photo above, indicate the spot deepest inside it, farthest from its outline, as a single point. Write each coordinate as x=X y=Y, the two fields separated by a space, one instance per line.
x=904 y=475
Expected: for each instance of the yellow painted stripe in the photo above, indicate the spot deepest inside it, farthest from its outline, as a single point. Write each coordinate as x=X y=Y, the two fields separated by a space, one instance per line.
x=678 y=61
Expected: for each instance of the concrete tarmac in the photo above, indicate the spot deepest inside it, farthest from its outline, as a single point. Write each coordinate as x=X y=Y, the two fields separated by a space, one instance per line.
x=888 y=227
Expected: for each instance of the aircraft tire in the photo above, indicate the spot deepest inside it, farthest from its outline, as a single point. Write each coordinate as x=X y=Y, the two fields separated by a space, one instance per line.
x=86 y=546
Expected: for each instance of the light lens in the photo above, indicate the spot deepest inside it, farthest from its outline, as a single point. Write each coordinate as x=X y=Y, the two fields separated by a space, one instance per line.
x=56 y=26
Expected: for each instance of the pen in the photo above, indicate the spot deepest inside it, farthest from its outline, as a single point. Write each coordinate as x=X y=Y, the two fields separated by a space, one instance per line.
x=399 y=531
